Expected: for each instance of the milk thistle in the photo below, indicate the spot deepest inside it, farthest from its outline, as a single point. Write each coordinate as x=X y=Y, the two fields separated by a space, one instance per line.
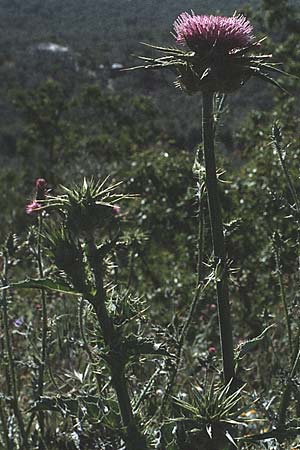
x=218 y=55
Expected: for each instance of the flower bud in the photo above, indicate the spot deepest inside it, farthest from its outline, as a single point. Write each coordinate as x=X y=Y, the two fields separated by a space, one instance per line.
x=116 y=210
x=41 y=188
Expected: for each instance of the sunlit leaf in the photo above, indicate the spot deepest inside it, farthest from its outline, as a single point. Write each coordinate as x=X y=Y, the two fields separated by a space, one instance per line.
x=43 y=283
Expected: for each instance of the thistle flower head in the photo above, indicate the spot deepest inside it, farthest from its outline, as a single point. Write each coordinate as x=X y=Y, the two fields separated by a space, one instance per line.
x=89 y=206
x=32 y=207
x=204 y=32
x=220 y=55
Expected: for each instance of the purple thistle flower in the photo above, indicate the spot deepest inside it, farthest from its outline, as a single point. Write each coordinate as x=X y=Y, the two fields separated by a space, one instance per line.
x=221 y=54
x=32 y=207
x=204 y=32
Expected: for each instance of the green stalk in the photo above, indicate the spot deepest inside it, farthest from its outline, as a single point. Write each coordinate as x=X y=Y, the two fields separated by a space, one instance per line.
x=85 y=341
x=285 y=399
x=284 y=299
x=134 y=439
x=277 y=145
x=286 y=396
x=42 y=365
x=276 y=140
x=217 y=236
x=196 y=297
x=11 y=365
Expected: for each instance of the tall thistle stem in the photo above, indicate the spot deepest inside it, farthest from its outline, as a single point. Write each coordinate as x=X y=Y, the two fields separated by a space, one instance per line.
x=216 y=225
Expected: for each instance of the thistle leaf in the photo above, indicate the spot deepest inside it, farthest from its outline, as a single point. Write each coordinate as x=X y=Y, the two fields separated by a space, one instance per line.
x=143 y=346
x=43 y=283
x=265 y=77
x=230 y=438
x=209 y=430
x=249 y=346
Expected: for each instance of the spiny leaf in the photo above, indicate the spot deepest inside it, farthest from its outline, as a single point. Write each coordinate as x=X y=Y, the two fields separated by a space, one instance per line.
x=173 y=50
x=209 y=430
x=70 y=405
x=282 y=72
x=144 y=346
x=186 y=406
x=43 y=283
x=265 y=77
x=248 y=346
x=230 y=438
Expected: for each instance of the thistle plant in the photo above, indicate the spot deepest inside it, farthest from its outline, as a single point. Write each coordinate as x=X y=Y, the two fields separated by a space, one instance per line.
x=220 y=55
x=80 y=234
x=87 y=211
x=205 y=422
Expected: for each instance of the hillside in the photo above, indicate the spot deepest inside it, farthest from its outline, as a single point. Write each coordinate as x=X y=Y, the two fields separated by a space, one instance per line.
x=108 y=25
x=97 y=34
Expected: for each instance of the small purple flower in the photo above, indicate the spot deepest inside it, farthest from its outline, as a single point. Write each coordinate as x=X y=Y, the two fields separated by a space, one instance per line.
x=32 y=207
x=219 y=32
x=18 y=322
x=212 y=350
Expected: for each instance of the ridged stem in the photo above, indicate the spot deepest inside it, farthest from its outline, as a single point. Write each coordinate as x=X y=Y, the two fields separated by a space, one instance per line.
x=216 y=224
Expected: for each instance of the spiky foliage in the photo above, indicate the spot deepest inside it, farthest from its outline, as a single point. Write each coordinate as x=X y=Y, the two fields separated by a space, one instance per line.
x=67 y=254
x=208 y=418
x=222 y=64
x=87 y=207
